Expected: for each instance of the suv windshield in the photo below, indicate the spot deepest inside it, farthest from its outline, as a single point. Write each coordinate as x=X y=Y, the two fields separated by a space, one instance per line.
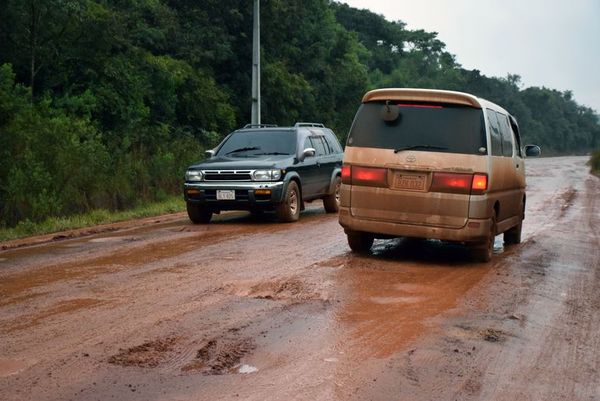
x=256 y=142
x=436 y=128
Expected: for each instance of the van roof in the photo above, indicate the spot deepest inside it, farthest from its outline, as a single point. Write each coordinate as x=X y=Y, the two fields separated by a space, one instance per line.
x=424 y=95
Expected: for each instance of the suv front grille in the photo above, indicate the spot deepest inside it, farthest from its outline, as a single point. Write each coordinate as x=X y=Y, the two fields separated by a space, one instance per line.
x=227 y=175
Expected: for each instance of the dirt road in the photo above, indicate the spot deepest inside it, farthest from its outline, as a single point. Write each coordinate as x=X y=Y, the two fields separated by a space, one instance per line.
x=248 y=309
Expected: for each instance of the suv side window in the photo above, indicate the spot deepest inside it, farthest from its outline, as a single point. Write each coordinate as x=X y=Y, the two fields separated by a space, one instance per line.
x=332 y=142
x=507 y=137
x=494 y=133
x=319 y=145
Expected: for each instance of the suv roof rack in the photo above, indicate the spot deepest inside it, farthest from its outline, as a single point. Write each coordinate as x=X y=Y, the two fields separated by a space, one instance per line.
x=260 y=125
x=319 y=125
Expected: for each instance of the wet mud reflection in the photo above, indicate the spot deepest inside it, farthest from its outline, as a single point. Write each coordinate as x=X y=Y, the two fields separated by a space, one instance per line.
x=393 y=294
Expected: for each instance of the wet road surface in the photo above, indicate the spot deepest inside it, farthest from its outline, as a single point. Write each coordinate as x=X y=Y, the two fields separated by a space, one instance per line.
x=246 y=308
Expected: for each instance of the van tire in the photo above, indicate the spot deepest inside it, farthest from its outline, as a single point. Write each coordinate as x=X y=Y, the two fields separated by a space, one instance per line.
x=482 y=252
x=289 y=210
x=513 y=236
x=332 y=201
x=197 y=214
x=360 y=242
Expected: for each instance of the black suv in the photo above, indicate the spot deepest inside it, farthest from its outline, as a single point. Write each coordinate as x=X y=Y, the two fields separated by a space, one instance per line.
x=265 y=167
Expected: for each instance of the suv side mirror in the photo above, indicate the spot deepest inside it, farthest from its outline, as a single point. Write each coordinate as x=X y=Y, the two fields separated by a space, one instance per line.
x=308 y=152
x=209 y=153
x=532 y=150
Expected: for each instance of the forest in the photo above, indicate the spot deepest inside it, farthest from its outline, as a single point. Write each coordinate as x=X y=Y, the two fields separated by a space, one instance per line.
x=104 y=103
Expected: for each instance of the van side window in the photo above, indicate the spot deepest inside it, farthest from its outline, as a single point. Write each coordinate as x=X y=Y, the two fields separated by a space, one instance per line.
x=505 y=132
x=494 y=133
x=517 y=135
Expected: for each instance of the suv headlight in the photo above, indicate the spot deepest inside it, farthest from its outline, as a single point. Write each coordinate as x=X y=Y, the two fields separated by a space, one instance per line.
x=266 y=175
x=193 y=175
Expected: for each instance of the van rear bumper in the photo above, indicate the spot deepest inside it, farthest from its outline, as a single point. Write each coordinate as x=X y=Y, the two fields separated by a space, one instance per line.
x=475 y=230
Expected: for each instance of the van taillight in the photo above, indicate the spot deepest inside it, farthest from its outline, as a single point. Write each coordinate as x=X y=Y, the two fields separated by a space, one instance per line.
x=480 y=183
x=458 y=183
x=368 y=176
x=346 y=174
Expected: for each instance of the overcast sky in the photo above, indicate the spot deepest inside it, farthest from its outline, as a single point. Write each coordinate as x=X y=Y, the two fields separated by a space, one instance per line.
x=548 y=43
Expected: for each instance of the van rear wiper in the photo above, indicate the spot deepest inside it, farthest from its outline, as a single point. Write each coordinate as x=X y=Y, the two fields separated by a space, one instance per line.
x=414 y=147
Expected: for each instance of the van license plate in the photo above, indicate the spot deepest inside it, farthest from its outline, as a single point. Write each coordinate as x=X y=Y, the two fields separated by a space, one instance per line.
x=411 y=182
x=225 y=194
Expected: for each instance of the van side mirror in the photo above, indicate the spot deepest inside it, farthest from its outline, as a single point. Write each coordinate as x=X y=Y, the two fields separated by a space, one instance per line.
x=532 y=150
x=308 y=152
x=209 y=153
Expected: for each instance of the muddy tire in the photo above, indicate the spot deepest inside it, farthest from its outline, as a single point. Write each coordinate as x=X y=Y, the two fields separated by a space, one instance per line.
x=513 y=236
x=332 y=201
x=483 y=252
x=360 y=242
x=197 y=214
x=289 y=210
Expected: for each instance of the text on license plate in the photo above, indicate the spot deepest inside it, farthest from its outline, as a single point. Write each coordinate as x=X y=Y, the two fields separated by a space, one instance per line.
x=412 y=182
x=225 y=194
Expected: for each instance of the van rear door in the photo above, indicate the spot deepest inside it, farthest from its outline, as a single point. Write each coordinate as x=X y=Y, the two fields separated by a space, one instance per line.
x=414 y=163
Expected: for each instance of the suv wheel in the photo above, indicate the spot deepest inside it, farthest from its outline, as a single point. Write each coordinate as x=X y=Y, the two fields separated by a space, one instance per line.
x=360 y=242
x=332 y=201
x=483 y=252
x=197 y=214
x=289 y=210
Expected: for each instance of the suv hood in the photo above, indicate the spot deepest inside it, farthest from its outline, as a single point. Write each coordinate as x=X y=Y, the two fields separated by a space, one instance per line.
x=244 y=163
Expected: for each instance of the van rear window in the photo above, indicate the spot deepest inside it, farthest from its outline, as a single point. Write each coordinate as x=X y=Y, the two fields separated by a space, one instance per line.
x=434 y=127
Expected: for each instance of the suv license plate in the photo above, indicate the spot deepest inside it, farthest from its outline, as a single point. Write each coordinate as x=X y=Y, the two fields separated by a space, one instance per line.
x=225 y=194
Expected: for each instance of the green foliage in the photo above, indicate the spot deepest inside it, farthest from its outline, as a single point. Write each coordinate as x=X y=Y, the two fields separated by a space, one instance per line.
x=103 y=103
x=53 y=224
x=595 y=162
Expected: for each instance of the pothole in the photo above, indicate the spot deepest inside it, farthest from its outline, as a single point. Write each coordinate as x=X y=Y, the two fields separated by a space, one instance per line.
x=220 y=356
x=149 y=354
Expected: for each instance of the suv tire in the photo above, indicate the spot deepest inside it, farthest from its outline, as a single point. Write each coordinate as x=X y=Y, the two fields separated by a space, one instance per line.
x=197 y=214
x=360 y=242
x=332 y=201
x=289 y=210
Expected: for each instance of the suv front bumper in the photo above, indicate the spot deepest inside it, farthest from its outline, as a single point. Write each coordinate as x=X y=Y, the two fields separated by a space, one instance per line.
x=248 y=195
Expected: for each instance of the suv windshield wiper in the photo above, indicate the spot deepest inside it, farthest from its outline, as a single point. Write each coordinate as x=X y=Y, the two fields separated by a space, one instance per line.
x=413 y=147
x=243 y=149
x=271 y=153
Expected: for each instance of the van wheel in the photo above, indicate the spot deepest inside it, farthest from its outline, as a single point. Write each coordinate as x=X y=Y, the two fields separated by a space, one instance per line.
x=289 y=210
x=332 y=201
x=360 y=242
x=197 y=214
x=513 y=236
x=483 y=252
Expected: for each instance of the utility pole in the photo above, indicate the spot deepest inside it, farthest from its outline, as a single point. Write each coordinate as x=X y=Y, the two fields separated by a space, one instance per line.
x=256 y=65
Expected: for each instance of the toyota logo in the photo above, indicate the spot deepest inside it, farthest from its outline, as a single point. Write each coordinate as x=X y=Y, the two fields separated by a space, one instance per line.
x=411 y=158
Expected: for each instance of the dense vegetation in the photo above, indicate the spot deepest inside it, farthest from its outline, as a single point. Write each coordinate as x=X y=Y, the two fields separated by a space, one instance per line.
x=103 y=103
x=595 y=162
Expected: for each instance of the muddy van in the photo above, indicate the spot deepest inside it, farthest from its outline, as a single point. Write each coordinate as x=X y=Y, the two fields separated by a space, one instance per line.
x=433 y=164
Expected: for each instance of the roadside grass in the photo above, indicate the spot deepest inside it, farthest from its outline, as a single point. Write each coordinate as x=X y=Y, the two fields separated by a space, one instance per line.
x=53 y=224
x=594 y=163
